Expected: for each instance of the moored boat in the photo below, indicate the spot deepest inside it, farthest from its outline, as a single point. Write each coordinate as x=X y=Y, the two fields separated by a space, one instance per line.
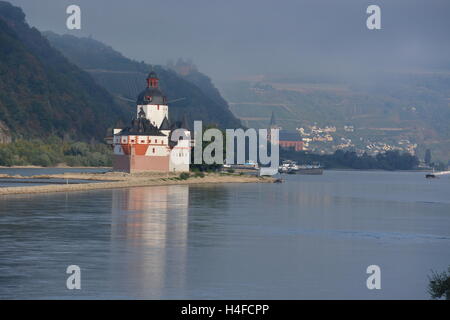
x=312 y=170
x=291 y=167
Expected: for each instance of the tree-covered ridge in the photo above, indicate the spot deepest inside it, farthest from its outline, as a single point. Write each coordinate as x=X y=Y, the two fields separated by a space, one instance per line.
x=54 y=151
x=390 y=160
x=90 y=54
x=41 y=92
x=125 y=78
x=188 y=70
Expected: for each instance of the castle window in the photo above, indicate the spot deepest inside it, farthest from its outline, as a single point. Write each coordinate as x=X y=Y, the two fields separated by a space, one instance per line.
x=153 y=150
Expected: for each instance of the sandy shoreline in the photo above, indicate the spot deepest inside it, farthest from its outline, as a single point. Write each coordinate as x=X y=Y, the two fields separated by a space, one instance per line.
x=114 y=180
x=56 y=167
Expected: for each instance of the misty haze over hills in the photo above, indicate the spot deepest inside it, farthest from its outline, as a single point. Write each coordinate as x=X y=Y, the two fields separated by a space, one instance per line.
x=45 y=91
x=229 y=39
x=190 y=94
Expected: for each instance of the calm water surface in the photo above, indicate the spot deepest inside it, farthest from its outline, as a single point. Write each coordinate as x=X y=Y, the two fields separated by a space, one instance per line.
x=309 y=238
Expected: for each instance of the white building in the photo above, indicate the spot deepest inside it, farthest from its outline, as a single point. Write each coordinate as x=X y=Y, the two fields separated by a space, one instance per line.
x=151 y=143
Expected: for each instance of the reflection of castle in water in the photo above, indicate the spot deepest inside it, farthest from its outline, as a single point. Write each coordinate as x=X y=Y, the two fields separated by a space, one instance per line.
x=149 y=239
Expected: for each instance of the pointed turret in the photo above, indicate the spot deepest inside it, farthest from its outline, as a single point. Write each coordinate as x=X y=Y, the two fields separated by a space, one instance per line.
x=165 y=124
x=141 y=113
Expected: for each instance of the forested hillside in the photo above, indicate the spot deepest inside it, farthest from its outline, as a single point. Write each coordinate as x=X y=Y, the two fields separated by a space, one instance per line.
x=125 y=79
x=42 y=93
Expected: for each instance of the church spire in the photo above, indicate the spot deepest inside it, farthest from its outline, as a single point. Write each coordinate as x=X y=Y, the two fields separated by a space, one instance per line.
x=273 y=122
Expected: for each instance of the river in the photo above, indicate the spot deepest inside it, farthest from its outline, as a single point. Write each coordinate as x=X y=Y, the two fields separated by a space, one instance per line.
x=312 y=237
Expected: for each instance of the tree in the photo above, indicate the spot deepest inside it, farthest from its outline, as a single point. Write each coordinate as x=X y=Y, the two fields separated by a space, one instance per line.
x=439 y=285
x=390 y=160
x=428 y=156
x=6 y=157
x=203 y=166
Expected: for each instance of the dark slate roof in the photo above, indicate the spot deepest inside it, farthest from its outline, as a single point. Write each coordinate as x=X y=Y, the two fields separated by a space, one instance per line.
x=179 y=125
x=175 y=125
x=165 y=124
x=151 y=96
x=141 y=126
x=289 y=136
x=185 y=122
x=152 y=74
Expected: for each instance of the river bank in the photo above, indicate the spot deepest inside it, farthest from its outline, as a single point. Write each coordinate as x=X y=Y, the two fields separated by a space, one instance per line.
x=112 y=180
x=61 y=166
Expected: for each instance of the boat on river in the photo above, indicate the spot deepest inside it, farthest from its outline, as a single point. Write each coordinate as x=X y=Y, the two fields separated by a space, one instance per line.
x=291 y=167
x=434 y=175
x=310 y=169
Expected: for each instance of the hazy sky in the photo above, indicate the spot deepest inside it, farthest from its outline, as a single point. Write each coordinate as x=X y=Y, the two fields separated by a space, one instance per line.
x=233 y=38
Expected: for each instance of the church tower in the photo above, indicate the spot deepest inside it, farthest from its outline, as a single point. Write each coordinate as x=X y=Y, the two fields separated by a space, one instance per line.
x=273 y=122
x=272 y=125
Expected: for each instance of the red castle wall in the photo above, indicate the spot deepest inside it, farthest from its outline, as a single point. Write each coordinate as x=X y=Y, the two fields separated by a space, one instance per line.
x=137 y=163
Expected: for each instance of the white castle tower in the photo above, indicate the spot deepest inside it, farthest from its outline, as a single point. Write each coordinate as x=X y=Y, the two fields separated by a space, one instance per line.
x=153 y=102
x=147 y=145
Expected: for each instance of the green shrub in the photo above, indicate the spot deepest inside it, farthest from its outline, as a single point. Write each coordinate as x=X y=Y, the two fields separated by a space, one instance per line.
x=199 y=175
x=439 y=286
x=184 y=175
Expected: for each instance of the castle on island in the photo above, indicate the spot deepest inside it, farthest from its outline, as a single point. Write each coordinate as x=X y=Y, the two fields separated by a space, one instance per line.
x=147 y=144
